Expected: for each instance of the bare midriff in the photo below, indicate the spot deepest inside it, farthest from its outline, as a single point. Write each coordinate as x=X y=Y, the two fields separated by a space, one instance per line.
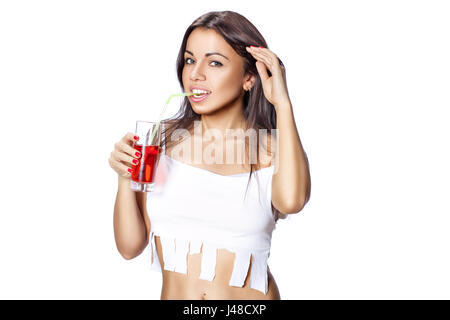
x=179 y=286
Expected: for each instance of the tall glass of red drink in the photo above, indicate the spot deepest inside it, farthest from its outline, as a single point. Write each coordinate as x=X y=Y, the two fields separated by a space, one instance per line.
x=142 y=174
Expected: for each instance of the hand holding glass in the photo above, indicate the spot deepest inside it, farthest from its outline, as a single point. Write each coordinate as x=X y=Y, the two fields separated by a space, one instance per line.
x=143 y=173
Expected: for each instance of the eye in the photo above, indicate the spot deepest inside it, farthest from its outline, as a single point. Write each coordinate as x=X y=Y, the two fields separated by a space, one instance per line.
x=218 y=64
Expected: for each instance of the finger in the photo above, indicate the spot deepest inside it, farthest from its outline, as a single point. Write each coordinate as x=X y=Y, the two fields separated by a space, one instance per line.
x=124 y=147
x=121 y=169
x=262 y=70
x=272 y=59
x=270 y=56
x=269 y=53
x=262 y=67
x=130 y=138
x=124 y=158
x=265 y=65
x=259 y=55
x=264 y=59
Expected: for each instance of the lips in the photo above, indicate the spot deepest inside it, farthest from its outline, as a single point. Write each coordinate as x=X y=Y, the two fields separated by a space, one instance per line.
x=199 y=88
x=200 y=96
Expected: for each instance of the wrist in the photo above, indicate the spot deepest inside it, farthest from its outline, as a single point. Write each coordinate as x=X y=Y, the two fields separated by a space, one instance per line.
x=284 y=105
x=123 y=180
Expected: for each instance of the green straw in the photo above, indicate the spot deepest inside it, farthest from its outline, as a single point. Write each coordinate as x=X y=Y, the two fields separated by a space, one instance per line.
x=164 y=110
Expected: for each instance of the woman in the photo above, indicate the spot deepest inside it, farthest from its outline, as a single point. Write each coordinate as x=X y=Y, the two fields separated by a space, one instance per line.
x=204 y=240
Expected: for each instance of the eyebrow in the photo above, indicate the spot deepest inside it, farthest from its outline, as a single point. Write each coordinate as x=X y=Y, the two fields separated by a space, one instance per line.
x=209 y=54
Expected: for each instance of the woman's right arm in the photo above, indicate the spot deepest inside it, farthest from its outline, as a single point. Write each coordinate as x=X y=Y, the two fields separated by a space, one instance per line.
x=131 y=223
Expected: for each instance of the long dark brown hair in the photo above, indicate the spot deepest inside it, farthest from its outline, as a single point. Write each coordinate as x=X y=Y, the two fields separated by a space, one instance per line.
x=259 y=113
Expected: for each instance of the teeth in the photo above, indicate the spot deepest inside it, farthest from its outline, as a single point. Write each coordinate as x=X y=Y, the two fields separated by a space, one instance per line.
x=198 y=91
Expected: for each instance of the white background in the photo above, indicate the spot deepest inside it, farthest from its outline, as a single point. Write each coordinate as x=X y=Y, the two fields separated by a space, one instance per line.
x=369 y=82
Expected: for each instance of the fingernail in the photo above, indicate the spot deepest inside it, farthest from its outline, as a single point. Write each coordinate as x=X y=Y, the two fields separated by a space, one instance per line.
x=129 y=170
x=138 y=154
x=252 y=46
x=136 y=138
x=135 y=161
x=262 y=47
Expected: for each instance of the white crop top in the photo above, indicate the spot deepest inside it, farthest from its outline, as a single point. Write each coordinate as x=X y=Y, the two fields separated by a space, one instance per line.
x=194 y=210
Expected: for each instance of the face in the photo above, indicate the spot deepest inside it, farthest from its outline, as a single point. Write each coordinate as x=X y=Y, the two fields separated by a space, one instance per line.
x=211 y=64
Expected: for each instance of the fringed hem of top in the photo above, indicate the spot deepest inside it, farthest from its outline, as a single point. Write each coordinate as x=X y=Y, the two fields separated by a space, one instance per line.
x=175 y=251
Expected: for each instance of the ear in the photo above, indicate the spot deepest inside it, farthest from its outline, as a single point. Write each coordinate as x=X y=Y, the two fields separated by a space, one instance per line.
x=249 y=81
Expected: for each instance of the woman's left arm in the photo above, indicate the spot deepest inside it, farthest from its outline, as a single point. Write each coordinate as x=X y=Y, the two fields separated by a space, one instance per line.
x=291 y=182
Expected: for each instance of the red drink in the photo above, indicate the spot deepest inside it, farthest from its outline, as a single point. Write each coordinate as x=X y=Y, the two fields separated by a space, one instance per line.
x=144 y=171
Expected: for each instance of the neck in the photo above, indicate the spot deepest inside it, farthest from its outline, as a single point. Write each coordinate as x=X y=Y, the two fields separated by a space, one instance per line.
x=230 y=117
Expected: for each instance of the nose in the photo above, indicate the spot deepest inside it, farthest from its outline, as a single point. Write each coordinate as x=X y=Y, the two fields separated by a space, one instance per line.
x=197 y=72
